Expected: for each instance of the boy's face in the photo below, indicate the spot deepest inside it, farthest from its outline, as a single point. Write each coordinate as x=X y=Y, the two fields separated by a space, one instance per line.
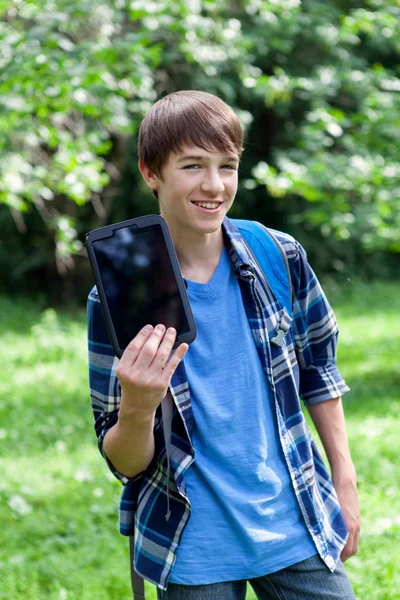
x=197 y=188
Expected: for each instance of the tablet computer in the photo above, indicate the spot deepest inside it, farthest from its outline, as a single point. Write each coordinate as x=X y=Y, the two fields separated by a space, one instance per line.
x=138 y=279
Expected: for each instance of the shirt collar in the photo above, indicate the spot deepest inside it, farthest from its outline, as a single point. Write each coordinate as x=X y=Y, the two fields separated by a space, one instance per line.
x=241 y=260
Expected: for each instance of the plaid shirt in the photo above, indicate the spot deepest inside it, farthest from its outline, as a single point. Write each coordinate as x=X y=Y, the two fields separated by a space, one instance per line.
x=304 y=367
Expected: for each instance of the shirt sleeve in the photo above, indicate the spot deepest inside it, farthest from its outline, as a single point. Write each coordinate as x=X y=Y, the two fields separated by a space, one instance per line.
x=315 y=335
x=105 y=390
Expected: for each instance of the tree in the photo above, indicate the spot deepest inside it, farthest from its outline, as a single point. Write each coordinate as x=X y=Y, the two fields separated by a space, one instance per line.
x=315 y=85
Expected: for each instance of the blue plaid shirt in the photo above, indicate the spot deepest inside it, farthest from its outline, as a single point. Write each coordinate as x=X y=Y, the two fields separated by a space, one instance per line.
x=304 y=367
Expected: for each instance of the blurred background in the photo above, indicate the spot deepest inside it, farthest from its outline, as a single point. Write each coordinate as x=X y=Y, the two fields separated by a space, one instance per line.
x=316 y=86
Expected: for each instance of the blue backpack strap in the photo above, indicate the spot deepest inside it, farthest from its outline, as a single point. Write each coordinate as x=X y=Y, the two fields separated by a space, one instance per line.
x=271 y=257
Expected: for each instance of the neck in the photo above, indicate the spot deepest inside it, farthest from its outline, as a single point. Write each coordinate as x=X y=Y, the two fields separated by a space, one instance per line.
x=198 y=253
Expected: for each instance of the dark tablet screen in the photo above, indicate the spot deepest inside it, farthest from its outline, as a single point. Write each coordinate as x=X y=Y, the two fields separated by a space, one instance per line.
x=139 y=282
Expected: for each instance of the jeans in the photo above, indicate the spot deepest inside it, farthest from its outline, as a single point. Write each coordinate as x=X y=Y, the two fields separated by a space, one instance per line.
x=307 y=580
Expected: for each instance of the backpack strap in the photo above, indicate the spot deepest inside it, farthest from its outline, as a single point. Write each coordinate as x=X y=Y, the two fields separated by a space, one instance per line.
x=281 y=249
x=166 y=411
x=136 y=580
x=270 y=256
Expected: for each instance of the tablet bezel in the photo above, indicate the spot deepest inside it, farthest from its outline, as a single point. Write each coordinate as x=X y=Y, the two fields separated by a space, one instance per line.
x=139 y=222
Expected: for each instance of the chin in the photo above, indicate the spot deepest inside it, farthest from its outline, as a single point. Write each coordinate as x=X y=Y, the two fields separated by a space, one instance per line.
x=209 y=227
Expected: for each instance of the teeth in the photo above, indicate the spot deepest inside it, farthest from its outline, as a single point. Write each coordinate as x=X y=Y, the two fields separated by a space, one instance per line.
x=207 y=204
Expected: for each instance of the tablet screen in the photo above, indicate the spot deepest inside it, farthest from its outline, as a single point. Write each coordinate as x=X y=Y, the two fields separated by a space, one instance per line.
x=139 y=282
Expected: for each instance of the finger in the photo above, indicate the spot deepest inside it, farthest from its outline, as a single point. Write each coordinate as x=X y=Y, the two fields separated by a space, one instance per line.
x=350 y=548
x=132 y=350
x=150 y=348
x=345 y=553
x=164 y=349
x=355 y=542
x=174 y=361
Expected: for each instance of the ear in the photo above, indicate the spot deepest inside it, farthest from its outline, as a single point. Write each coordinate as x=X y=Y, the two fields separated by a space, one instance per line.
x=148 y=175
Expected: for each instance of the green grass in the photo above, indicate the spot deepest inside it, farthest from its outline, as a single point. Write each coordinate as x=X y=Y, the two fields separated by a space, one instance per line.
x=59 y=538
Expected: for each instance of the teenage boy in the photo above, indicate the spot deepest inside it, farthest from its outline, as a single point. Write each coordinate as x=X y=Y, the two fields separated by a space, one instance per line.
x=238 y=491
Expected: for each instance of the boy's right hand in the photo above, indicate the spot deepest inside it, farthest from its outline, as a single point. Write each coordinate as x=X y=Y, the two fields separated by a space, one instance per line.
x=143 y=371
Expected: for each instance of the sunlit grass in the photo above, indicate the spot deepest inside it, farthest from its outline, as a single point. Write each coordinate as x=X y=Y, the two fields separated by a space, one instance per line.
x=58 y=504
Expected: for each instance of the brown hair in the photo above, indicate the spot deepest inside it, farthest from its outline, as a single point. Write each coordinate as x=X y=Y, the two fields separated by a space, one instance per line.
x=188 y=117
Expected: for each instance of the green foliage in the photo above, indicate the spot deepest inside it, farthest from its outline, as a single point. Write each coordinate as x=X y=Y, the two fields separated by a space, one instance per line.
x=315 y=84
x=72 y=75
x=341 y=155
x=59 y=505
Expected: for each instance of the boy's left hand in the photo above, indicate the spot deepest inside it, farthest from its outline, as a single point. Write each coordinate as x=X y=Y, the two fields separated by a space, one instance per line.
x=348 y=498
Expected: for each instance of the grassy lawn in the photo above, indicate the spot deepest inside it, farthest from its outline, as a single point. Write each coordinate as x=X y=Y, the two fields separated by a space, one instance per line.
x=58 y=504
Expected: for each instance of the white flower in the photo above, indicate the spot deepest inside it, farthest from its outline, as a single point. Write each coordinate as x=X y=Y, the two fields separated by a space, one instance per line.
x=83 y=475
x=61 y=446
x=19 y=505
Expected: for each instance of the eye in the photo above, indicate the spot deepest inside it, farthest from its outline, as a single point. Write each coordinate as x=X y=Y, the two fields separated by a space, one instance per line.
x=192 y=166
x=229 y=167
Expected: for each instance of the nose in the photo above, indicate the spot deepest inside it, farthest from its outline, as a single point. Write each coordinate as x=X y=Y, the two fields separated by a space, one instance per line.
x=212 y=183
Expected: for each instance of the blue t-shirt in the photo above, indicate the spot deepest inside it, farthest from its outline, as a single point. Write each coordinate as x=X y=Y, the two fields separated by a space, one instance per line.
x=245 y=520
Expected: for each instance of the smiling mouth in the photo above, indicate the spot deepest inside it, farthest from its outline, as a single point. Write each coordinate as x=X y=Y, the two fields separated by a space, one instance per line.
x=207 y=205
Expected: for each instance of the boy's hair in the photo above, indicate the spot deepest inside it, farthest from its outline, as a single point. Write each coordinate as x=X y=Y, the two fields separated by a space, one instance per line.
x=188 y=117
